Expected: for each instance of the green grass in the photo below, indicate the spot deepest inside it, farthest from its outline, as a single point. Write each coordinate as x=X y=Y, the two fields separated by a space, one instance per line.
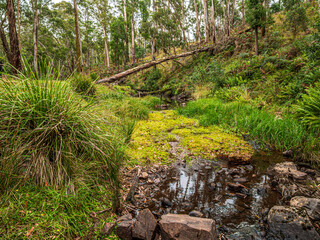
x=282 y=132
x=32 y=212
x=83 y=84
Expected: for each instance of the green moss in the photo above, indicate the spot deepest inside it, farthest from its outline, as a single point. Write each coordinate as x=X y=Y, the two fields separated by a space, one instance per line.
x=151 y=138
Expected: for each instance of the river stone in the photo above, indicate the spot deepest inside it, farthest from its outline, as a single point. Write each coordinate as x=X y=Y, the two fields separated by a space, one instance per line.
x=184 y=227
x=144 y=226
x=290 y=223
x=287 y=169
x=124 y=228
x=195 y=213
x=311 y=205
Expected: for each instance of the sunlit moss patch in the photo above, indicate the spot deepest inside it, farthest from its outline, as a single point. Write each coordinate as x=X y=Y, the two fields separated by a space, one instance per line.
x=151 y=140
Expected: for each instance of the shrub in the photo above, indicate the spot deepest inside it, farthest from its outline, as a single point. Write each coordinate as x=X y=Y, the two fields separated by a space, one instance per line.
x=49 y=136
x=308 y=108
x=151 y=83
x=83 y=84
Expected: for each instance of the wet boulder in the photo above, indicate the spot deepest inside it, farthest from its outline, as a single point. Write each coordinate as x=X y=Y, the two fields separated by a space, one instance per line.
x=124 y=227
x=184 y=227
x=144 y=226
x=290 y=223
x=311 y=205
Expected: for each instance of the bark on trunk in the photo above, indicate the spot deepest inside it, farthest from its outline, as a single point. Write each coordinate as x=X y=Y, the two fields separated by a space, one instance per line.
x=19 y=25
x=256 y=40
x=126 y=29
x=183 y=23
x=198 y=24
x=228 y=18
x=148 y=65
x=13 y=36
x=35 y=33
x=206 y=23
x=78 y=40
x=243 y=16
x=106 y=49
x=133 y=52
x=213 y=22
x=233 y=9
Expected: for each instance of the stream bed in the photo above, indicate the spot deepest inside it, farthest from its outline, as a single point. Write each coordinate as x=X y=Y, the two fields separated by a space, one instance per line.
x=203 y=186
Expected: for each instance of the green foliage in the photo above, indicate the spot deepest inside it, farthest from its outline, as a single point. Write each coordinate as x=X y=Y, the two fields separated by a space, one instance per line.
x=281 y=132
x=208 y=73
x=296 y=18
x=255 y=13
x=312 y=46
x=118 y=37
x=308 y=108
x=94 y=76
x=51 y=137
x=83 y=84
x=151 y=83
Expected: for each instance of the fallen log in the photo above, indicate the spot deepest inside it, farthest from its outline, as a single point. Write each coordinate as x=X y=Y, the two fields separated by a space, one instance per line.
x=149 y=64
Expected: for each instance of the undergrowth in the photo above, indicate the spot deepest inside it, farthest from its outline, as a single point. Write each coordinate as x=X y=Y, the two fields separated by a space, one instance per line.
x=282 y=132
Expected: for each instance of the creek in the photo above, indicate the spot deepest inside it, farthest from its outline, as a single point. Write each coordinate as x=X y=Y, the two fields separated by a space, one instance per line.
x=203 y=186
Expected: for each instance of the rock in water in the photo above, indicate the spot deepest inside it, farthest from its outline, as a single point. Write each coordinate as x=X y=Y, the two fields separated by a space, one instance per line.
x=287 y=169
x=144 y=226
x=195 y=213
x=184 y=227
x=311 y=205
x=291 y=223
x=124 y=228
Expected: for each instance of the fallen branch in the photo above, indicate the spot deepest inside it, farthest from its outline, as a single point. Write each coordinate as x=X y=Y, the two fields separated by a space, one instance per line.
x=149 y=64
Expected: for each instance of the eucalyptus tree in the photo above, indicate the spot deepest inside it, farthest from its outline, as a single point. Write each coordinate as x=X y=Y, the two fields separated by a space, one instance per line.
x=78 y=37
x=10 y=48
x=255 y=16
x=102 y=11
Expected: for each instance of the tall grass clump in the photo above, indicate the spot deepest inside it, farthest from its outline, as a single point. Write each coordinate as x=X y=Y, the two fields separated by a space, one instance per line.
x=83 y=84
x=281 y=132
x=308 y=109
x=50 y=137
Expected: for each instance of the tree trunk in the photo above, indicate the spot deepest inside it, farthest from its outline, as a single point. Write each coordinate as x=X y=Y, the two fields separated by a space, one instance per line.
x=198 y=24
x=183 y=22
x=19 y=24
x=228 y=18
x=243 y=17
x=133 y=52
x=126 y=29
x=263 y=29
x=153 y=43
x=15 y=58
x=35 y=33
x=256 y=40
x=78 y=40
x=213 y=34
x=150 y=64
x=206 y=23
x=5 y=43
x=106 y=50
x=232 y=17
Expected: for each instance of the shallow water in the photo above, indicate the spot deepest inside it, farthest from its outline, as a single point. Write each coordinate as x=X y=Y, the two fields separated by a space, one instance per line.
x=203 y=187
